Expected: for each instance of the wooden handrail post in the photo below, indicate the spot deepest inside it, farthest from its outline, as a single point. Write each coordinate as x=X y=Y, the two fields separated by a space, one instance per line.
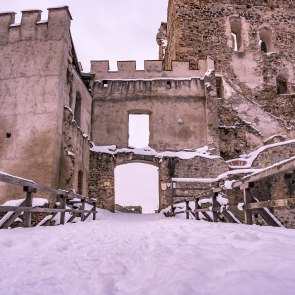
x=28 y=203
x=186 y=209
x=172 y=197
x=83 y=208
x=214 y=205
x=197 y=206
x=247 y=200
x=94 y=210
x=63 y=203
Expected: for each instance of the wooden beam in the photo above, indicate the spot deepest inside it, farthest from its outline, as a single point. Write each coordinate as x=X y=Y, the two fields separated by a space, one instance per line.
x=28 y=203
x=11 y=219
x=197 y=206
x=282 y=203
x=82 y=208
x=215 y=204
x=268 y=219
x=247 y=211
x=63 y=202
x=207 y=216
x=38 y=209
x=28 y=183
x=228 y=216
x=187 y=208
x=48 y=221
x=75 y=214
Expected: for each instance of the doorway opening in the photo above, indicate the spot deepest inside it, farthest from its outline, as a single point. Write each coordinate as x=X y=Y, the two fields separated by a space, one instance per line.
x=138 y=130
x=137 y=184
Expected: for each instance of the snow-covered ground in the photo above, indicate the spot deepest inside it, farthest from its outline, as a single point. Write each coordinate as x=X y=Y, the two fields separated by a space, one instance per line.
x=147 y=254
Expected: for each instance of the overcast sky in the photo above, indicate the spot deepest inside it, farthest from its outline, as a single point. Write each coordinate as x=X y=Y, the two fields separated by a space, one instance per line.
x=107 y=29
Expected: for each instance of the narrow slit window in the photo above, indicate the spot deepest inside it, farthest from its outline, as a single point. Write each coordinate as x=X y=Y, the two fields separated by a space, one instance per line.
x=234 y=40
x=78 y=109
x=219 y=87
x=263 y=46
x=266 y=40
x=139 y=131
x=236 y=33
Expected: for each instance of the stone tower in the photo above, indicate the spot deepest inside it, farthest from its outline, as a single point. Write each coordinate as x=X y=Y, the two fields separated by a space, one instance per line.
x=251 y=44
x=45 y=105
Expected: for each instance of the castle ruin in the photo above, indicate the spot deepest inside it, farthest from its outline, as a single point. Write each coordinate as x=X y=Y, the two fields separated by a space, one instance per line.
x=224 y=80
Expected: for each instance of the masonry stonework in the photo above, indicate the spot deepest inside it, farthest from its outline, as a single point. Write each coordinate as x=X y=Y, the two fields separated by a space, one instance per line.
x=251 y=73
x=224 y=83
x=102 y=167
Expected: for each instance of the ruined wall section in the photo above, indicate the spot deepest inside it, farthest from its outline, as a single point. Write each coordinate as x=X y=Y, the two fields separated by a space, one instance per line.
x=74 y=156
x=76 y=130
x=249 y=75
x=175 y=100
x=274 y=154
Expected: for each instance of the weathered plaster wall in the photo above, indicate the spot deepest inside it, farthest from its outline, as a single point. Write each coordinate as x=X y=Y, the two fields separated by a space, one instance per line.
x=30 y=94
x=166 y=104
x=36 y=59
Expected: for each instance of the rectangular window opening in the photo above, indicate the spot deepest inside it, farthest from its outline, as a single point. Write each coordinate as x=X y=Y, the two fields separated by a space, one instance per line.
x=105 y=83
x=219 y=87
x=138 y=130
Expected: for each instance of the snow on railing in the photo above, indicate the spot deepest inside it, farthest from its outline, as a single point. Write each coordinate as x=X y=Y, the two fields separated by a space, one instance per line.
x=70 y=203
x=214 y=197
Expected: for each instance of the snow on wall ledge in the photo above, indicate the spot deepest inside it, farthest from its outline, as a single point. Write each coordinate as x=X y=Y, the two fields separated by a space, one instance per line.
x=247 y=160
x=153 y=69
x=184 y=154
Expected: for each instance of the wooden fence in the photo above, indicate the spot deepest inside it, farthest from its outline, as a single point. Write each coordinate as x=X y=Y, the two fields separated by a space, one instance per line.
x=69 y=202
x=250 y=205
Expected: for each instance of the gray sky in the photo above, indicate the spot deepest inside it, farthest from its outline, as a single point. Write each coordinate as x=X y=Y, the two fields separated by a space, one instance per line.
x=107 y=29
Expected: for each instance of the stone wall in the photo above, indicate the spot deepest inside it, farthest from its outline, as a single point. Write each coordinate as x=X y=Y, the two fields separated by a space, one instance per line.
x=102 y=166
x=30 y=87
x=275 y=188
x=274 y=154
x=196 y=29
x=177 y=112
x=74 y=156
x=37 y=58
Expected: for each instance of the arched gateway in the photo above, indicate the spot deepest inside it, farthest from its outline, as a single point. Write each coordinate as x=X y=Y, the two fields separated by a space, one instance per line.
x=180 y=104
x=103 y=161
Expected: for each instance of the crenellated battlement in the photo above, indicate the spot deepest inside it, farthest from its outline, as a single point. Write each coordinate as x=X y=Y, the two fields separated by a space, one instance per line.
x=153 y=69
x=32 y=28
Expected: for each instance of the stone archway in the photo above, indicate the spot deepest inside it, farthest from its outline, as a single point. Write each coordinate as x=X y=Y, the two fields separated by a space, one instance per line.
x=102 y=175
x=103 y=164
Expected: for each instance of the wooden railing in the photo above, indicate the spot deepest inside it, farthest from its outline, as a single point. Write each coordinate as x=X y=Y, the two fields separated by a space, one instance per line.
x=249 y=206
x=69 y=202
